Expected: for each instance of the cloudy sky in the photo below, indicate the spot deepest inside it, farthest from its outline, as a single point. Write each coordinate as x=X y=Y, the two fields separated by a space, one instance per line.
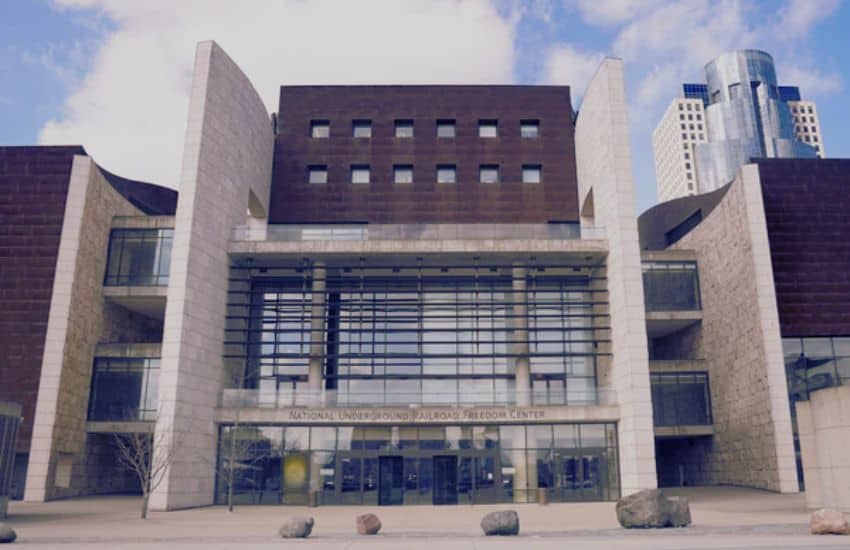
x=114 y=75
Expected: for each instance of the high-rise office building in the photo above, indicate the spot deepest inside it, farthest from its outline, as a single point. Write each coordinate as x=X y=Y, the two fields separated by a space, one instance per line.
x=745 y=115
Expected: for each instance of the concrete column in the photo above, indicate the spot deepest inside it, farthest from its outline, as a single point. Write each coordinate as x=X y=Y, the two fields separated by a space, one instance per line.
x=317 y=327
x=519 y=324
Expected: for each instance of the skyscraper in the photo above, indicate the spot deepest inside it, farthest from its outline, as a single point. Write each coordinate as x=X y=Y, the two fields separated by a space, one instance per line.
x=745 y=114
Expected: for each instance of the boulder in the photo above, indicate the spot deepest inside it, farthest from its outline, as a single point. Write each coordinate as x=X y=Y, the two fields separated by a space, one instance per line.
x=680 y=512
x=296 y=528
x=368 y=524
x=827 y=521
x=7 y=534
x=505 y=522
x=651 y=509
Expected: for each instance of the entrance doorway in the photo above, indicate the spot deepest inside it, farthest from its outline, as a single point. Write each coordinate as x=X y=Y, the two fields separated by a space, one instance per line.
x=445 y=479
x=579 y=476
x=390 y=481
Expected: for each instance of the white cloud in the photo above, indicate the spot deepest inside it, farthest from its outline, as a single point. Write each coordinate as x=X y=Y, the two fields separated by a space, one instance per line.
x=798 y=17
x=811 y=81
x=567 y=65
x=611 y=12
x=129 y=110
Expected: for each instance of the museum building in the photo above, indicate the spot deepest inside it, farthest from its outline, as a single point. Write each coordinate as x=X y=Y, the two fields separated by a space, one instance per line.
x=406 y=295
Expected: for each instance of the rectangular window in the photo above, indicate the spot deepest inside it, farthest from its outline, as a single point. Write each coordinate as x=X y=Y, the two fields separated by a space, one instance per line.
x=529 y=129
x=361 y=128
x=139 y=257
x=446 y=173
x=531 y=173
x=488 y=128
x=317 y=174
x=445 y=128
x=320 y=129
x=404 y=128
x=360 y=173
x=403 y=173
x=488 y=173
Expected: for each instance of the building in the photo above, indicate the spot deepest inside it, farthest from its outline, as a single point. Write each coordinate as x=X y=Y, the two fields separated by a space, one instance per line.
x=674 y=143
x=742 y=122
x=10 y=420
x=391 y=295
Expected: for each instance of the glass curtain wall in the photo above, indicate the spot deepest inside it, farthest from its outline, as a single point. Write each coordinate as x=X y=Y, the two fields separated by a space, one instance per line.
x=124 y=389
x=139 y=257
x=393 y=336
x=396 y=465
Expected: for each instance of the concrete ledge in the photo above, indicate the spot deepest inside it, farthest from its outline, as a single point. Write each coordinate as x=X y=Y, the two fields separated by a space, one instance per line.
x=119 y=427
x=251 y=248
x=678 y=365
x=671 y=255
x=683 y=431
x=128 y=350
x=419 y=415
x=143 y=222
x=662 y=323
x=147 y=300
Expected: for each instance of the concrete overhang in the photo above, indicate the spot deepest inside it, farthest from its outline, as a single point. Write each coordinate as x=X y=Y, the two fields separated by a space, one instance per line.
x=418 y=415
x=128 y=350
x=673 y=432
x=662 y=323
x=143 y=222
x=677 y=365
x=120 y=427
x=579 y=248
x=672 y=255
x=146 y=300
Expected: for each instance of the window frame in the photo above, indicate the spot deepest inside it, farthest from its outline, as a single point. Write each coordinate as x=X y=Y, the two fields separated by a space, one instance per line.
x=320 y=123
x=538 y=168
x=485 y=168
x=359 y=124
x=403 y=123
x=452 y=168
x=317 y=168
x=398 y=168
x=488 y=123
x=360 y=168
x=446 y=123
x=529 y=123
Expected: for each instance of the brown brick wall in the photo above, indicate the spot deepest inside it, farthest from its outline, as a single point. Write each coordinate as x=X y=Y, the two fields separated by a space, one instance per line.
x=33 y=187
x=807 y=205
x=293 y=200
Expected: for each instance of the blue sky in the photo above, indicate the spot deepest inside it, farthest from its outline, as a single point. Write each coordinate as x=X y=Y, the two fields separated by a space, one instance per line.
x=114 y=75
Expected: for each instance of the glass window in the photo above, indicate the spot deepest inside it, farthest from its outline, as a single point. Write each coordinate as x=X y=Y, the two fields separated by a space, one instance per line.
x=531 y=173
x=360 y=173
x=529 y=128
x=362 y=128
x=318 y=174
x=124 y=389
x=139 y=257
x=446 y=173
x=404 y=128
x=445 y=128
x=488 y=173
x=403 y=173
x=320 y=129
x=488 y=128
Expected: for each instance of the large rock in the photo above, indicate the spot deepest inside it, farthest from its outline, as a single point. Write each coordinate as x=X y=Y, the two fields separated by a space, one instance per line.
x=505 y=522
x=650 y=508
x=368 y=524
x=7 y=534
x=296 y=528
x=827 y=521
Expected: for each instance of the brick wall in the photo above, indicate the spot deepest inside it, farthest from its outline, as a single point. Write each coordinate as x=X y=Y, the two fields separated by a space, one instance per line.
x=807 y=206
x=33 y=187
x=293 y=200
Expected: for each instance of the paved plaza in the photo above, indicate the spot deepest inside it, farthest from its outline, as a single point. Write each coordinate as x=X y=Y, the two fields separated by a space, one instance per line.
x=723 y=517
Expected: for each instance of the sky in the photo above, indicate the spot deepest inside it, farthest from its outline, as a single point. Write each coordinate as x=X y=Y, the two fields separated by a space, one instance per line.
x=114 y=75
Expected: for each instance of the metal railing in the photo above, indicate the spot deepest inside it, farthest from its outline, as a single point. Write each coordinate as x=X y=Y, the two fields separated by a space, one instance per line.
x=253 y=399
x=416 y=232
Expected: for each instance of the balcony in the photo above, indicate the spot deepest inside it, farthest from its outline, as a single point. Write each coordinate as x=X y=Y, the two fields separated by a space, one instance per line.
x=137 y=269
x=417 y=232
x=681 y=404
x=671 y=295
x=259 y=399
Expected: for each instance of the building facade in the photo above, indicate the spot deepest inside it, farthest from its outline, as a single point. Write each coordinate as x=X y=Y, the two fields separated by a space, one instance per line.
x=674 y=143
x=392 y=295
x=747 y=115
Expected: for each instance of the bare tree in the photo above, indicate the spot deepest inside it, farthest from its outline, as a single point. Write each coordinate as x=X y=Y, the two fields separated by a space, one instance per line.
x=147 y=456
x=239 y=458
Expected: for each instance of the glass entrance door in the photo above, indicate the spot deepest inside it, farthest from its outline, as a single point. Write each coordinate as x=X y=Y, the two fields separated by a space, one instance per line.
x=390 y=480
x=445 y=479
x=579 y=476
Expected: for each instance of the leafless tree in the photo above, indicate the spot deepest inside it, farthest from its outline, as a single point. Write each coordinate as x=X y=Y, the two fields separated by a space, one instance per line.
x=238 y=459
x=147 y=456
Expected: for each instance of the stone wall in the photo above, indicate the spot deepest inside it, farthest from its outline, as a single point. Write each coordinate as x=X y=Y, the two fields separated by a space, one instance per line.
x=227 y=157
x=606 y=191
x=740 y=341
x=77 y=321
x=824 y=429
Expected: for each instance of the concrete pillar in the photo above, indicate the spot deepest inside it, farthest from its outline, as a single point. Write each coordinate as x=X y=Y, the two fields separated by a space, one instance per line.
x=317 y=328
x=519 y=324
